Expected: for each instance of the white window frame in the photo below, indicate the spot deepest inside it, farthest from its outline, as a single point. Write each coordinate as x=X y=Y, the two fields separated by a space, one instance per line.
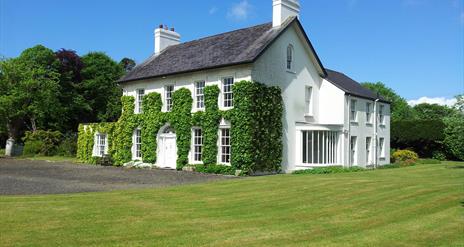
x=353 y=151
x=382 y=147
x=368 y=150
x=368 y=112
x=309 y=101
x=137 y=144
x=290 y=57
x=353 y=111
x=227 y=103
x=101 y=144
x=168 y=97
x=319 y=147
x=197 y=142
x=139 y=94
x=223 y=146
x=381 y=114
x=200 y=95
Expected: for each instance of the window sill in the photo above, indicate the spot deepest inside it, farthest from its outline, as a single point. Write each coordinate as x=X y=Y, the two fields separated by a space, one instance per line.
x=382 y=125
x=369 y=124
x=354 y=122
x=291 y=72
x=308 y=115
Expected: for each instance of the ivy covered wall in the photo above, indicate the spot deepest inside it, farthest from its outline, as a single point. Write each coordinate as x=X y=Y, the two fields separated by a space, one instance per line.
x=256 y=128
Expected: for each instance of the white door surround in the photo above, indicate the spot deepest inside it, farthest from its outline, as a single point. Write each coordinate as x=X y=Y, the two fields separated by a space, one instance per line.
x=167 y=149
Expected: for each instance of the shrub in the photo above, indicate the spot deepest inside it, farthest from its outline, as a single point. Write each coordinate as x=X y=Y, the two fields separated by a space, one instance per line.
x=438 y=155
x=405 y=156
x=41 y=142
x=68 y=146
x=330 y=170
x=215 y=169
x=454 y=136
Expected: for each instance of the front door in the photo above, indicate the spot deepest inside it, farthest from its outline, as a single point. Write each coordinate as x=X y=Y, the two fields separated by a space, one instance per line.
x=167 y=155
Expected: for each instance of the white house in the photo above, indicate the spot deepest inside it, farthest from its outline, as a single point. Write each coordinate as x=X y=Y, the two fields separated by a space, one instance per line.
x=329 y=119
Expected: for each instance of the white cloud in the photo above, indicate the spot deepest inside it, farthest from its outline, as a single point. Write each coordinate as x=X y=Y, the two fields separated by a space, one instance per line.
x=437 y=100
x=240 y=11
x=213 y=10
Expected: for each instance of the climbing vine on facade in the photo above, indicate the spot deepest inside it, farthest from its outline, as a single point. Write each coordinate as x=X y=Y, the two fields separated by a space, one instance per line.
x=256 y=128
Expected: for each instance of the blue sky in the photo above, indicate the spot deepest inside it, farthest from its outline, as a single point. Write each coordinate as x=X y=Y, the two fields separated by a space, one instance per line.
x=415 y=47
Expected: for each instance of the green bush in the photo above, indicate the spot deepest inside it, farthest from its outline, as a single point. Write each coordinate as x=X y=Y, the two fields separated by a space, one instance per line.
x=215 y=169
x=405 y=156
x=438 y=155
x=454 y=136
x=68 y=146
x=330 y=170
x=41 y=142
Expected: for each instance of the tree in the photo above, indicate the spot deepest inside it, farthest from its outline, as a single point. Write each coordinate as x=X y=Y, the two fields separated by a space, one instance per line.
x=29 y=87
x=400 y=110
x=100 y=89
x=459 y=106
x=426 y=111
x=74 y=104
x=127 y=64
x=454 y=135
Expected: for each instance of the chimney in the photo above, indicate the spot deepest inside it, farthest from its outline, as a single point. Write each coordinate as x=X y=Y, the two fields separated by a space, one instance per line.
x=282 y=9
x=165 y=38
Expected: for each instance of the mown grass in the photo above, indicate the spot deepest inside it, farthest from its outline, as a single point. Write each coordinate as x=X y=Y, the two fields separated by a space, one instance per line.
x=420 y=205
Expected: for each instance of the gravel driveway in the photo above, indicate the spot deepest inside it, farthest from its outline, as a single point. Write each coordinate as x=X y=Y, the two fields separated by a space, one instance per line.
x=26 y=177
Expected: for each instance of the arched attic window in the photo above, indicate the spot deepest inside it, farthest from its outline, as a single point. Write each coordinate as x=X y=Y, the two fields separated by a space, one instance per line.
x=290 y=57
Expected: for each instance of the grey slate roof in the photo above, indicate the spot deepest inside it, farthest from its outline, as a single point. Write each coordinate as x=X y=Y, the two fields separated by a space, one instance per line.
x=351 y=86
x=231 y=48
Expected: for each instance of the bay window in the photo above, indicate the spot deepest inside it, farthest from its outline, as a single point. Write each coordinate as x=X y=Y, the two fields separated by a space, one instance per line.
x=320 y=147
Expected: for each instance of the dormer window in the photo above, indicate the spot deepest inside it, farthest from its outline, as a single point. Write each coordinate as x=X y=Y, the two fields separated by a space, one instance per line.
x=290 y=57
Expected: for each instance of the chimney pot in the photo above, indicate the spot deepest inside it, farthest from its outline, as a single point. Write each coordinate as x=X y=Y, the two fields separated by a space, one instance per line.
x=160 y=26
x=172 y=29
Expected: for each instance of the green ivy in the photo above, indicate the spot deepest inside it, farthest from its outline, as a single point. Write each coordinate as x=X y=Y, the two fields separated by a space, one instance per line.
x=124 y=130
x=257 y=122
x=153 y=119
x=86 y=137
x=256 y=128
x=181 y=120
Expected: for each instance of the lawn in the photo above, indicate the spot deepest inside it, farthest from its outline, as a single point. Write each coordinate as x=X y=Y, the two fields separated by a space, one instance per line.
x=413 y=206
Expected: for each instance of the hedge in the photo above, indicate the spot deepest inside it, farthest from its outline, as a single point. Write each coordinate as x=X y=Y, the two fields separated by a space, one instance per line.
x=422 y=136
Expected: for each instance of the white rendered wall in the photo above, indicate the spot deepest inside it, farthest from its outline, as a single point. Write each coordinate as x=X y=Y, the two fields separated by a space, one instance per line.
x=362 y=129
x=187 y=80
x=271 y=69
x=331 y=104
